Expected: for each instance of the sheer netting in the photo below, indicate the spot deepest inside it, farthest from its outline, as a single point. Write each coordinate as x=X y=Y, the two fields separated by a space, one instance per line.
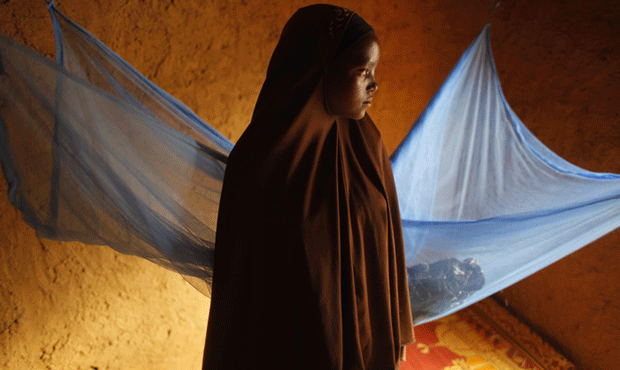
x=95 y=152
x=483 y=202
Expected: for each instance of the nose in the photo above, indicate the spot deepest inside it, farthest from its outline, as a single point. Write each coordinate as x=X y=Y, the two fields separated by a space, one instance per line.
x=372 y=86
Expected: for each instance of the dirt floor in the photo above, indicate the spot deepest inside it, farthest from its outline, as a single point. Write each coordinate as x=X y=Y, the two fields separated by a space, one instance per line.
x=71 y=306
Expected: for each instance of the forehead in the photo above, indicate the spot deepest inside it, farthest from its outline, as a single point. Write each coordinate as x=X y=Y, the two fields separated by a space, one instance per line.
x=366 y=51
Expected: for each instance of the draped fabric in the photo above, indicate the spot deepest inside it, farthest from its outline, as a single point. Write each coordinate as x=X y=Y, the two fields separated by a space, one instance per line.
x=94 y=152
x=309 y=261
x=483 y=202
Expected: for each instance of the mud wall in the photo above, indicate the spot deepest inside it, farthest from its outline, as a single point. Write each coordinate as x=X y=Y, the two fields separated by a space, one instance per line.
x=71 y=306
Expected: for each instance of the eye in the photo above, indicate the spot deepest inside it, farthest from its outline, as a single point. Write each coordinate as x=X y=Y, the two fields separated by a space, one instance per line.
x=364 y=72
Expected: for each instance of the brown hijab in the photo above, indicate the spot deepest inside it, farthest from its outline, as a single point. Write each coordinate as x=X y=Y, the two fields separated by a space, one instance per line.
x=309 y=259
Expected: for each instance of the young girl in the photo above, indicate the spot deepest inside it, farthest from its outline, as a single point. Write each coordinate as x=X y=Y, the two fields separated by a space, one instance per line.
x=309 y=263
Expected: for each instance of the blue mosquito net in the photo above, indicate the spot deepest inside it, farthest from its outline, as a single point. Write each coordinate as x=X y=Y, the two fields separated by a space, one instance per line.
x=94 y=152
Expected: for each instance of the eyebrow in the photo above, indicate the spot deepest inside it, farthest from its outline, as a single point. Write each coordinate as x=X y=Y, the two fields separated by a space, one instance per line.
x=358 y=61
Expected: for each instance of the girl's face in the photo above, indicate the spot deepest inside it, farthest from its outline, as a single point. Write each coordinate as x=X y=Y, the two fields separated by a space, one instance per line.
x=350 y=82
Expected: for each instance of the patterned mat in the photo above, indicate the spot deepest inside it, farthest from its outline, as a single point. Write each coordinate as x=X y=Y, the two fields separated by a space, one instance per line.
x=484 y=336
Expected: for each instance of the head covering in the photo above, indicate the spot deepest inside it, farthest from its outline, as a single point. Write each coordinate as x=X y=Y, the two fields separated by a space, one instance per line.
x=356 y=29
x=309 y=260
x=307 y=45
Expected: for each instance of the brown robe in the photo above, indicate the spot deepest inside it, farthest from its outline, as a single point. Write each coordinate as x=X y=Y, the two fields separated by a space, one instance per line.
x=309 y=259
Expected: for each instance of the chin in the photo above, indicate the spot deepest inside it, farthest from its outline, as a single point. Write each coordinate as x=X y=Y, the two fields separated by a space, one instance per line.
x=358 y=116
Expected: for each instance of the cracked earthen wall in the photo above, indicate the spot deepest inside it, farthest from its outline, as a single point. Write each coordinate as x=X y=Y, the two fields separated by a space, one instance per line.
x=71 y=306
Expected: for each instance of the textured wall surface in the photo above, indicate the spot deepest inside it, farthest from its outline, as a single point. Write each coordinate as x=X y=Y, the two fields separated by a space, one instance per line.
x=71 y=306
